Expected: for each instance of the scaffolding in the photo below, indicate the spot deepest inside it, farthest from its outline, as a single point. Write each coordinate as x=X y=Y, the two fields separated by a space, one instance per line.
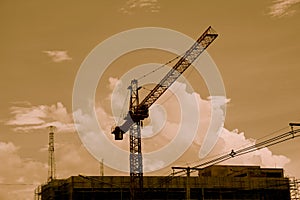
x=38 y=193
x=51 y=157
x=294 y=188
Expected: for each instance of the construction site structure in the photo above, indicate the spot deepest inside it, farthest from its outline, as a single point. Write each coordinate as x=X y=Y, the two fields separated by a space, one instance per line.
x=51 y=156
x=139 y=111
x=295 y=188
x=293 y=133
x=102 y=167
x=214 y=182
x=51 y=163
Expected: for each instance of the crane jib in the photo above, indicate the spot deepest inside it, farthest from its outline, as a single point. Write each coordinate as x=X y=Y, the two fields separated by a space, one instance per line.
x=184 y=62
x=189 y=57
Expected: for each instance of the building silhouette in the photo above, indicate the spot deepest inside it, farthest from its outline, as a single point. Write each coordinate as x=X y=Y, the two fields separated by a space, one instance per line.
x=214 y=182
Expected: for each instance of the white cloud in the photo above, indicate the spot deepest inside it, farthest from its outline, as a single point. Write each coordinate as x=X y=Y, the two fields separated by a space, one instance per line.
x=152 y=165
x=113 y=82
x=28 y=117
x=19 y=176
x=71 y=154
x=146 y=5
x=233 y=140
x=70 y=157
x=24 y=175
x=282 y=8
x=58 y=56
x=165 y=119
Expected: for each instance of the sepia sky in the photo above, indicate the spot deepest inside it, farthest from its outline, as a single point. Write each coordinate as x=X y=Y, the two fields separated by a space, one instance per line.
x=43 y=44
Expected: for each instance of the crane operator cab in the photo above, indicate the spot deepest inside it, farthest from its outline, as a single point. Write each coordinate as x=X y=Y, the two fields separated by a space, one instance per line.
x=118 y=133
x=141 y=112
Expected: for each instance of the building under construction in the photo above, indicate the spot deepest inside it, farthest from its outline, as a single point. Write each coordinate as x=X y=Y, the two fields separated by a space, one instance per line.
x=214 y=182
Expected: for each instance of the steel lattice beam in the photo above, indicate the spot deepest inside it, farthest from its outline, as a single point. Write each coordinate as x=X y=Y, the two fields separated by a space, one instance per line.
x=189 y=57
x=136 y=159
x=51 y=158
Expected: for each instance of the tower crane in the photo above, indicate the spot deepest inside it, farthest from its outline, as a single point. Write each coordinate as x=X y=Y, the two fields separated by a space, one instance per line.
x=138 y=111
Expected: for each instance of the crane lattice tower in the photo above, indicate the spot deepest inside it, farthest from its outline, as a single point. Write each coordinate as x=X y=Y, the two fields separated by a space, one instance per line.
x=51 y=157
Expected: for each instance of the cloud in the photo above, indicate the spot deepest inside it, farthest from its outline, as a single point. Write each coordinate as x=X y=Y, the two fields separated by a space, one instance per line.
x=282 y=8
x=70 y=154
x=161 y=128
x=27 y=117
x=19 y=176
x=146 y=5
x=165 y=118
x=70 y=157
x=113 y=82
x=58 y=56
x=233 y=140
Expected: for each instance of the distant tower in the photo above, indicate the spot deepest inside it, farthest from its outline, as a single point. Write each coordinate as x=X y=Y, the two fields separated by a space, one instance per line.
x=51 y=159
x=102 y=167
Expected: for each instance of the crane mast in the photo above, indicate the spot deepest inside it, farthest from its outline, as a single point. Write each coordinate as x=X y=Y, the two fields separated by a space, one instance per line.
x=136 y=159
x=139 y=111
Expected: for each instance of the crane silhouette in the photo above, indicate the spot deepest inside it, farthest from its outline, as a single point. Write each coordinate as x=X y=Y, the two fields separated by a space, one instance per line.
x=138 y=111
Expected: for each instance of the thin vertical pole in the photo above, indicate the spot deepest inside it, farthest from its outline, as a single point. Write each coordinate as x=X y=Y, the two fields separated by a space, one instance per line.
x=51 y=157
